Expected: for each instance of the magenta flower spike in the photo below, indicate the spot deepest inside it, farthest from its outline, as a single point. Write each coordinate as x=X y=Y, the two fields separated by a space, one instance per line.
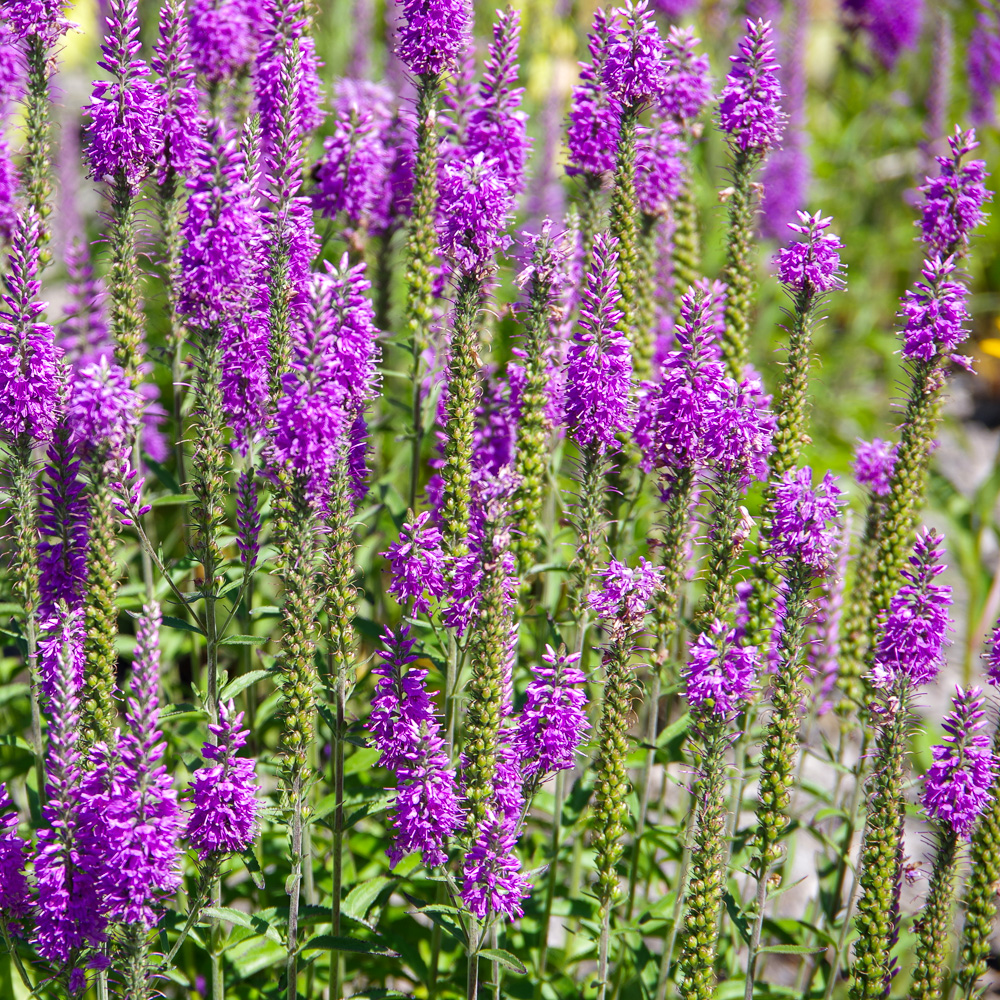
x=873 y=465
x=14 y=901
x=626 y=593
x=687 y=82
x=805 y=523
x=635 y=65
x=592 y=130
x=721 y=672
x=811 y=264
x=224 y=37
x=416 y=563
x=178 y=92
x=432 y=34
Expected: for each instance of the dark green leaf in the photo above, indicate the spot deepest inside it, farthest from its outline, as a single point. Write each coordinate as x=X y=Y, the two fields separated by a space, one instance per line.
x=328 y=942
x=179 y=623
x=243 y=640
x=239 y=684
x=504 y=958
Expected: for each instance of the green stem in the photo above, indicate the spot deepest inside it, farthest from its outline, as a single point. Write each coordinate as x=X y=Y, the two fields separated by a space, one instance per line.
x=125 y=316
x=933 y=926
x=555 y=843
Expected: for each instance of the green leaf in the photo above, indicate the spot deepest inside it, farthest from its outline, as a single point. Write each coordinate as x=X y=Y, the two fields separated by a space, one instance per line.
x=792 y=949
x=732 y=908
x=330 y=942
x=504 y=958
x=182 y=710
x=239 y=684
x=252 y=865
x=179 y=623
x=161 y=473
x=362 y=897
x=173 y=499
x=243 y=640
x=252 y=921
x=377 y=803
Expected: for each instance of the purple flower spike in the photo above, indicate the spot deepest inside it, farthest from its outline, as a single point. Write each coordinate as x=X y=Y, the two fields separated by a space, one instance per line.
x=126 y=128
x=29 y=369
x=749 y=107
x=687 y=83
x=225 y=35
x=873 y=465
x=592 y=131
x=473 y=210
x=433 y=33
x=910 y=646
x=954 y=199
x=811 y=264
x=659 y=167
x=224 y=817
x=84 y=329
x=496 y=125
x=984 y=64
x=805 y=518
x=102 y=412
x=720 y=672
x=44 y=18
x=599 y=365
x=635 y=66
x=935 y=312
x=745 y=430
x=892 y=25
x=178 y=92
x=417 y=563
x=493 y=883
x=70 y=911
x=626 y=593
x=992 y=657
x=959 y=783
x=406 y=730
x=553 y=722
x=14 y=903
x=144 y=819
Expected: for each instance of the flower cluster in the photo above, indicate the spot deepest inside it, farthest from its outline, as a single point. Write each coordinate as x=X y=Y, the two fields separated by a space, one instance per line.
x=750 y=103
x=626 y=593
x=720 y=672
x=433 y=34
x=224 y=36
x=687 y=84
x=635 y=62
x=959 y=783
x=805 y=524
x=913 y=635
x=811 y=264
x=935 y=312
x=417 y=563
x=473 y=208
x=954 y=197
x=873 y=464
x=592 y=130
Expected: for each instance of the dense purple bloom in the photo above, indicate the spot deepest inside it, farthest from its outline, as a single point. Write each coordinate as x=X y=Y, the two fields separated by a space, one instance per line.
x=745 y=430
x=496 y=126
x=332 y=378
x=659 y=167
x=913 y=635
x=984 y=64
x=84 y=328
x=12 y=68
x=406 y=731
x=935 y=312
x=954 y=198
x=473 y=207
x=352 y=176
x=592 y=131
x=635 y=64
x=222 y=232
x=102 y=412
x=749 y=106
x=126 y=128
x=143 y=818
x=720 y=672
x=178 y=92
x=599 y=363
x=224 y=817
x=894 y=25
x=417 y=563
x=553 y=722
x=679 y=417
x=959 y=783
x=13 y=883
x=492 y=880
x=286 y=75
x=626 y=593
x=247 y=519
x=224 y=37
x=29 y=367
x=8 y=189
x=687 y=82
x=811 y=264
x=70 y=911
x=433 y=33
x=45 y=18
x=873 y=464
x=805 y=524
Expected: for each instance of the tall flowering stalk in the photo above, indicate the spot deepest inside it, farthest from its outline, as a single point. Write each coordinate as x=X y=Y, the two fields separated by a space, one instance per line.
x=979 y=902
x=622 y=605
x=534 y=433
x=29 y=393
x=719 y=680
x=39 y=26
x=809 y=268
x=598 y=403
x=804 y=539
x=126 y=135
x=957 y=789
x=750 y=114
x=908 y=654
x=432 y=35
